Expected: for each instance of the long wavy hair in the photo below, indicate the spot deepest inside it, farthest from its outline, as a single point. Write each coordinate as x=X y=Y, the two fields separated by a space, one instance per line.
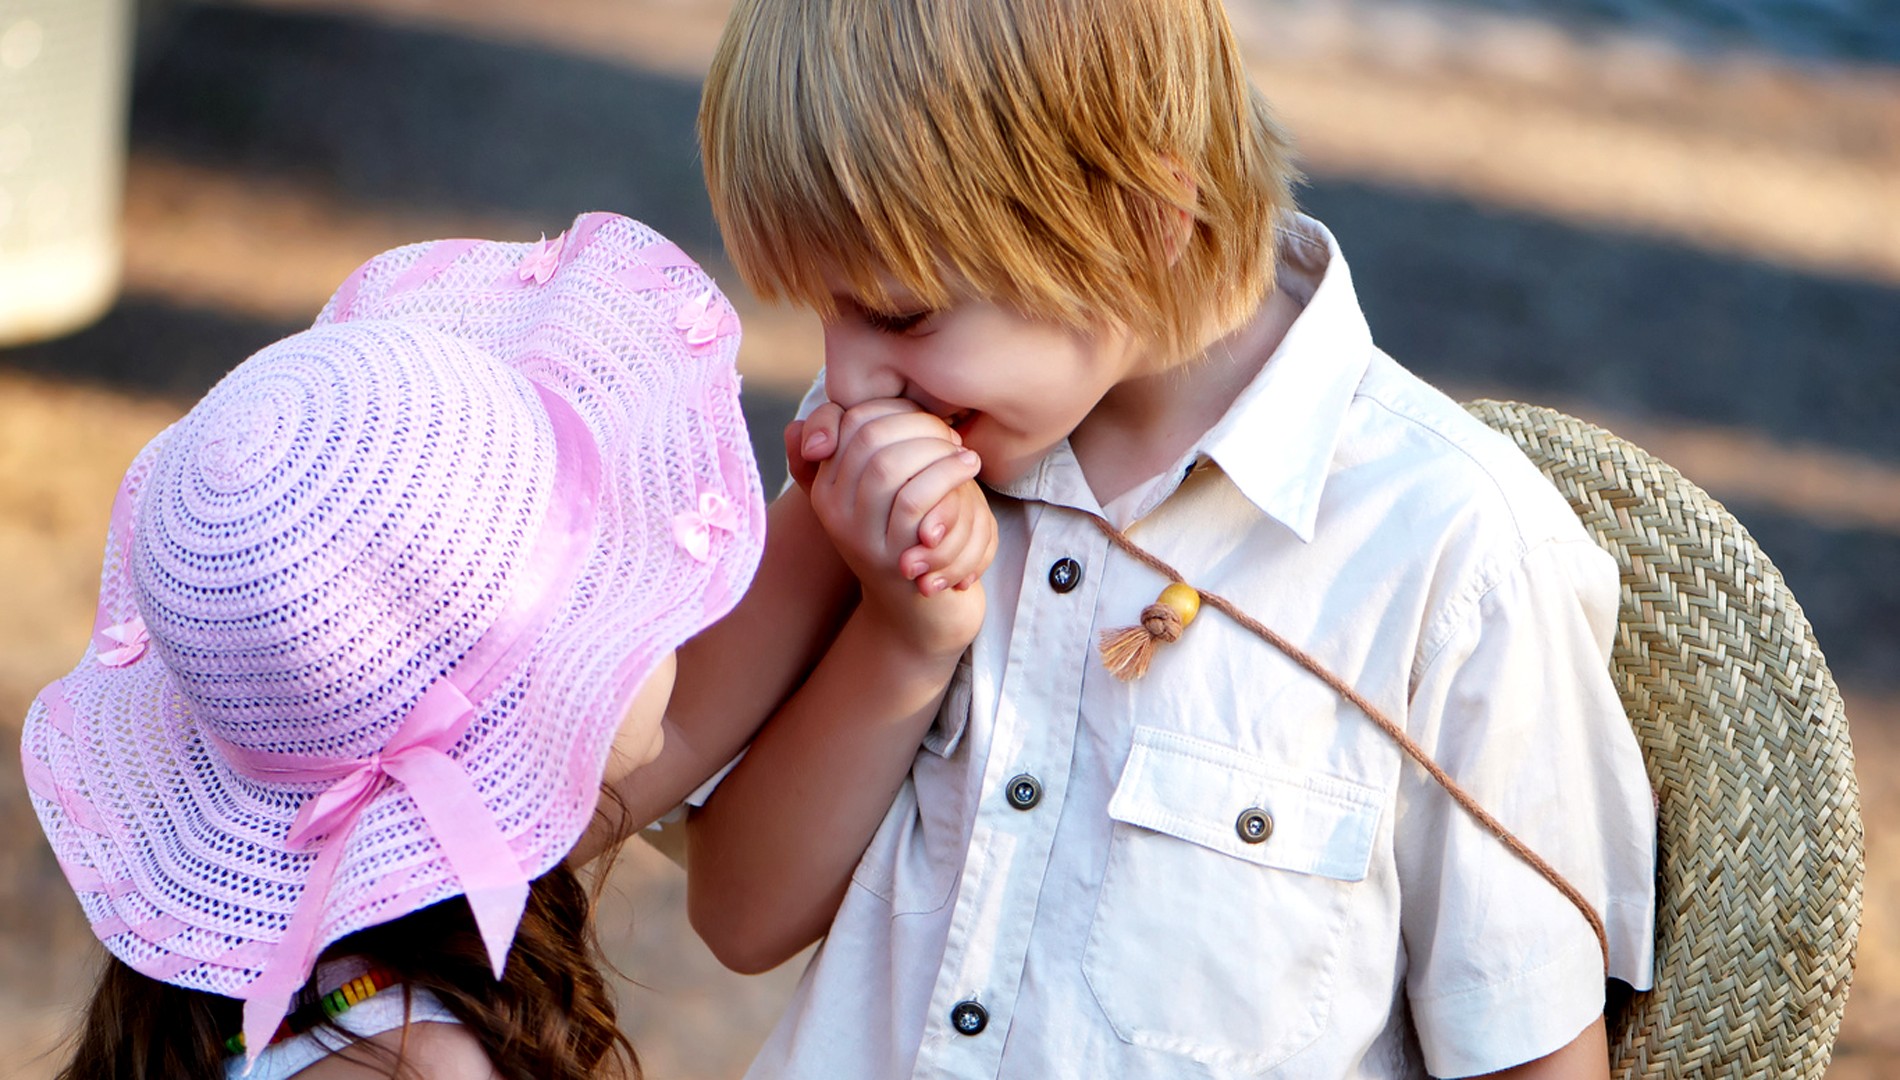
x=551 y=1016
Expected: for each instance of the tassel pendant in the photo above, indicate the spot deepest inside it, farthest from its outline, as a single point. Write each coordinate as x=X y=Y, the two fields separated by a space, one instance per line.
x=1127 y=653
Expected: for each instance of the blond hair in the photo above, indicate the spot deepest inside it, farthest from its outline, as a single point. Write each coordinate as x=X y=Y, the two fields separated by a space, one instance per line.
x=1029 y=149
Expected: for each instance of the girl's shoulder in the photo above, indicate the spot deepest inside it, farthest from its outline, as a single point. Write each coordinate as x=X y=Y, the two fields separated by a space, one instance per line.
x=430 y=1051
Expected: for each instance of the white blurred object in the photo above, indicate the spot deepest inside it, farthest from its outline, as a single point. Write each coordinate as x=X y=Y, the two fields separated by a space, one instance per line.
x=64 y=69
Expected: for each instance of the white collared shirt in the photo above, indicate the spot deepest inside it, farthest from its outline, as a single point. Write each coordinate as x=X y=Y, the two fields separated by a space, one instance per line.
x=1121 y=925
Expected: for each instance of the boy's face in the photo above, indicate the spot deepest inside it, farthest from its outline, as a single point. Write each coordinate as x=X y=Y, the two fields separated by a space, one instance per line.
x=1012 y=385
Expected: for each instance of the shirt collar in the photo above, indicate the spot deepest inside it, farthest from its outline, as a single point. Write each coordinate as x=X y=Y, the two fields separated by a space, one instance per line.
x=1275 y=442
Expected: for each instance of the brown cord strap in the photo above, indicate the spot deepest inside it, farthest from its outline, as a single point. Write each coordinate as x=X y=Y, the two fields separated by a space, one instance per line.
x=1412 y=749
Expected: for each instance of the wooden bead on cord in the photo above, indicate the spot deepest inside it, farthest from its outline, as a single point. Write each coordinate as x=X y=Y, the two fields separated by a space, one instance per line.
x=1128 y=652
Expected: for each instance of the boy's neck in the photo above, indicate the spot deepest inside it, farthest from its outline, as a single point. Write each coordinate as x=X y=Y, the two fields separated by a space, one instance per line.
x=1146 y=422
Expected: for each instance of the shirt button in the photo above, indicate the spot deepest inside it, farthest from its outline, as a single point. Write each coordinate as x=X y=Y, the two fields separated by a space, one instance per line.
x=1254 y=825
x=1025 y=791
x=969 y=1018
x=1065 y=574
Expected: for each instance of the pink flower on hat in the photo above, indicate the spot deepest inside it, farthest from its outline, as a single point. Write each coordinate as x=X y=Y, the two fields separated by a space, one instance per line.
x=131 y=638
x=703 y=319
x=693 y=528
x=541 y=263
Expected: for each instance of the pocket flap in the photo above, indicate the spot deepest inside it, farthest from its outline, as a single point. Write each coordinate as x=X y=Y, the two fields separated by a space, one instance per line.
x=1199 y=790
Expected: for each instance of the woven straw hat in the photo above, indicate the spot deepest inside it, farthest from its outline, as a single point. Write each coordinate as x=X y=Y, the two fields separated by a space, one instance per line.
x=372 y=611
x=1759 y=870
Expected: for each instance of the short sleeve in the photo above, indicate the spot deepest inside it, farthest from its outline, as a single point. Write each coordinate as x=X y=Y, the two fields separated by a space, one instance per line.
x=1517 y=704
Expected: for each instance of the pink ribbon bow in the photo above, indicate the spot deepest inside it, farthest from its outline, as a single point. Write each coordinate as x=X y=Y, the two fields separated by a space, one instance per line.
x=129 y=639
x=704 y=320
x=539 y=265
x=416 y=756
x=693 y=528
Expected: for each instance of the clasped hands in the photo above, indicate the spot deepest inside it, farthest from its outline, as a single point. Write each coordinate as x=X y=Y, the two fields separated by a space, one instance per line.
x=895 y=489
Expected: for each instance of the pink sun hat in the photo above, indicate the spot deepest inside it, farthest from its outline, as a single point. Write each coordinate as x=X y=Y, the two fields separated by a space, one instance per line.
x=372 y=611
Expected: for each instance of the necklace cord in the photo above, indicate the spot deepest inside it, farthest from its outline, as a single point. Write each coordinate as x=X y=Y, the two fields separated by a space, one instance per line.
x=1411 y=748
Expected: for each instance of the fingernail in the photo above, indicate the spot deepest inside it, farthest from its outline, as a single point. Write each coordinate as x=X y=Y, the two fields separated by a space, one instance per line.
x=816 y=442
x=968 y=457
x=936 y=531
x=936 y=584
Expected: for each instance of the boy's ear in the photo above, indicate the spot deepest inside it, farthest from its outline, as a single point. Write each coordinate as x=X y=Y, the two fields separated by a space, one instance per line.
x=1177 y=224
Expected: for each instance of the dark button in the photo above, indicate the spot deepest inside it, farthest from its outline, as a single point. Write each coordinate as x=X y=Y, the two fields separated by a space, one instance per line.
x=1065 y=575
x=1254 y=825
x=969 y=1018
x=1025 y=791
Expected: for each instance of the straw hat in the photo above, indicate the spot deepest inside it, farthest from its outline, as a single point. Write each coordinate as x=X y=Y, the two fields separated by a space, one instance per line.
x=372 y=611
x=1759 y=842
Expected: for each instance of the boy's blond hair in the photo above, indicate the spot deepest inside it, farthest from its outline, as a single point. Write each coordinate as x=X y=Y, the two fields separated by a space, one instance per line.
x=1029 y=149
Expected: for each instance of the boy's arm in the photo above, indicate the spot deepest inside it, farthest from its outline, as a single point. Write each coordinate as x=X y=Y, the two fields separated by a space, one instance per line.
x=773 y=850
x=736 y=671
x=1586 y=1058
x=771 y=854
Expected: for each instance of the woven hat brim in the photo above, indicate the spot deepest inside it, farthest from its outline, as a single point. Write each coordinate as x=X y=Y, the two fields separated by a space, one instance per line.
x=1759 y=843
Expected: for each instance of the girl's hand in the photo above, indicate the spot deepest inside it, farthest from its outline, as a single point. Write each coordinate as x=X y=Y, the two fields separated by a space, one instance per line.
x=887 y=464
x=954 y=537
x=956 y=541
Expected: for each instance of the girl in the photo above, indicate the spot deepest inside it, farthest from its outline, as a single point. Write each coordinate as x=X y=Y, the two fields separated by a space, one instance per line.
x=378 y=618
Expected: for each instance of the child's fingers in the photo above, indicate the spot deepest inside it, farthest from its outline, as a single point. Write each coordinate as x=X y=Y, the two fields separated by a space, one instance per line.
x=816 y=437
x=850 y=420
x=859 y=421
x=865 y=440
x=937 y=521
x=803 y=470
x=965 y=554
x=818 y=433
x=980 y=548
x=960 y=515
x=926 y=490
x=885 y=476
x=924 y=562
x=856 y=489
x=935 y=569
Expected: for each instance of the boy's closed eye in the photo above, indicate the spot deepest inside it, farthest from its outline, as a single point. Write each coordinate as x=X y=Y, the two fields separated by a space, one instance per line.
x=895 y=323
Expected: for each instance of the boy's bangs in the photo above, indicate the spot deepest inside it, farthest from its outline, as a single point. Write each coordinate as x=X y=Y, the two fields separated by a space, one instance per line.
x=1024 y=151
x=821 y=160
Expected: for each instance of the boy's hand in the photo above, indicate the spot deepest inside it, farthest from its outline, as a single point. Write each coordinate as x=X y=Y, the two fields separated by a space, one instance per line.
x=955 y=538
x=882 y=477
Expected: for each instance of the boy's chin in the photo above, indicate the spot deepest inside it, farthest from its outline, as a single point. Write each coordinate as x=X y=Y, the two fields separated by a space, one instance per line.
x=1005 y=473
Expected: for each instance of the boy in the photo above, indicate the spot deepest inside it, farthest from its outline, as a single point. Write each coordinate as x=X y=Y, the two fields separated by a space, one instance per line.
x=1062 y=229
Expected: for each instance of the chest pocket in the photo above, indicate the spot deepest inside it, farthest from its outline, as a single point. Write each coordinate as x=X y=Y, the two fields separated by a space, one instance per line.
x=1223 y=907
x=917 y=854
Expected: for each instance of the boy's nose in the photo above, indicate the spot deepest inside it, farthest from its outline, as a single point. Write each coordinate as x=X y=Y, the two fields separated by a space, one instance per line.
x=855 y=375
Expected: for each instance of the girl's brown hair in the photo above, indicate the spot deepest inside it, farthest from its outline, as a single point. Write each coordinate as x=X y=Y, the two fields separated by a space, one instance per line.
x=550 y=1017
x=1037 y=151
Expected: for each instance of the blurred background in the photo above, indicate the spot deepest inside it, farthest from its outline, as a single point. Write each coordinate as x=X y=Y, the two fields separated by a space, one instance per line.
x=1677 y=218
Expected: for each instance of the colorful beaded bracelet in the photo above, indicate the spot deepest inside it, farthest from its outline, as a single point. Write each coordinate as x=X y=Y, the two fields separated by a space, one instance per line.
x=312 y=1009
